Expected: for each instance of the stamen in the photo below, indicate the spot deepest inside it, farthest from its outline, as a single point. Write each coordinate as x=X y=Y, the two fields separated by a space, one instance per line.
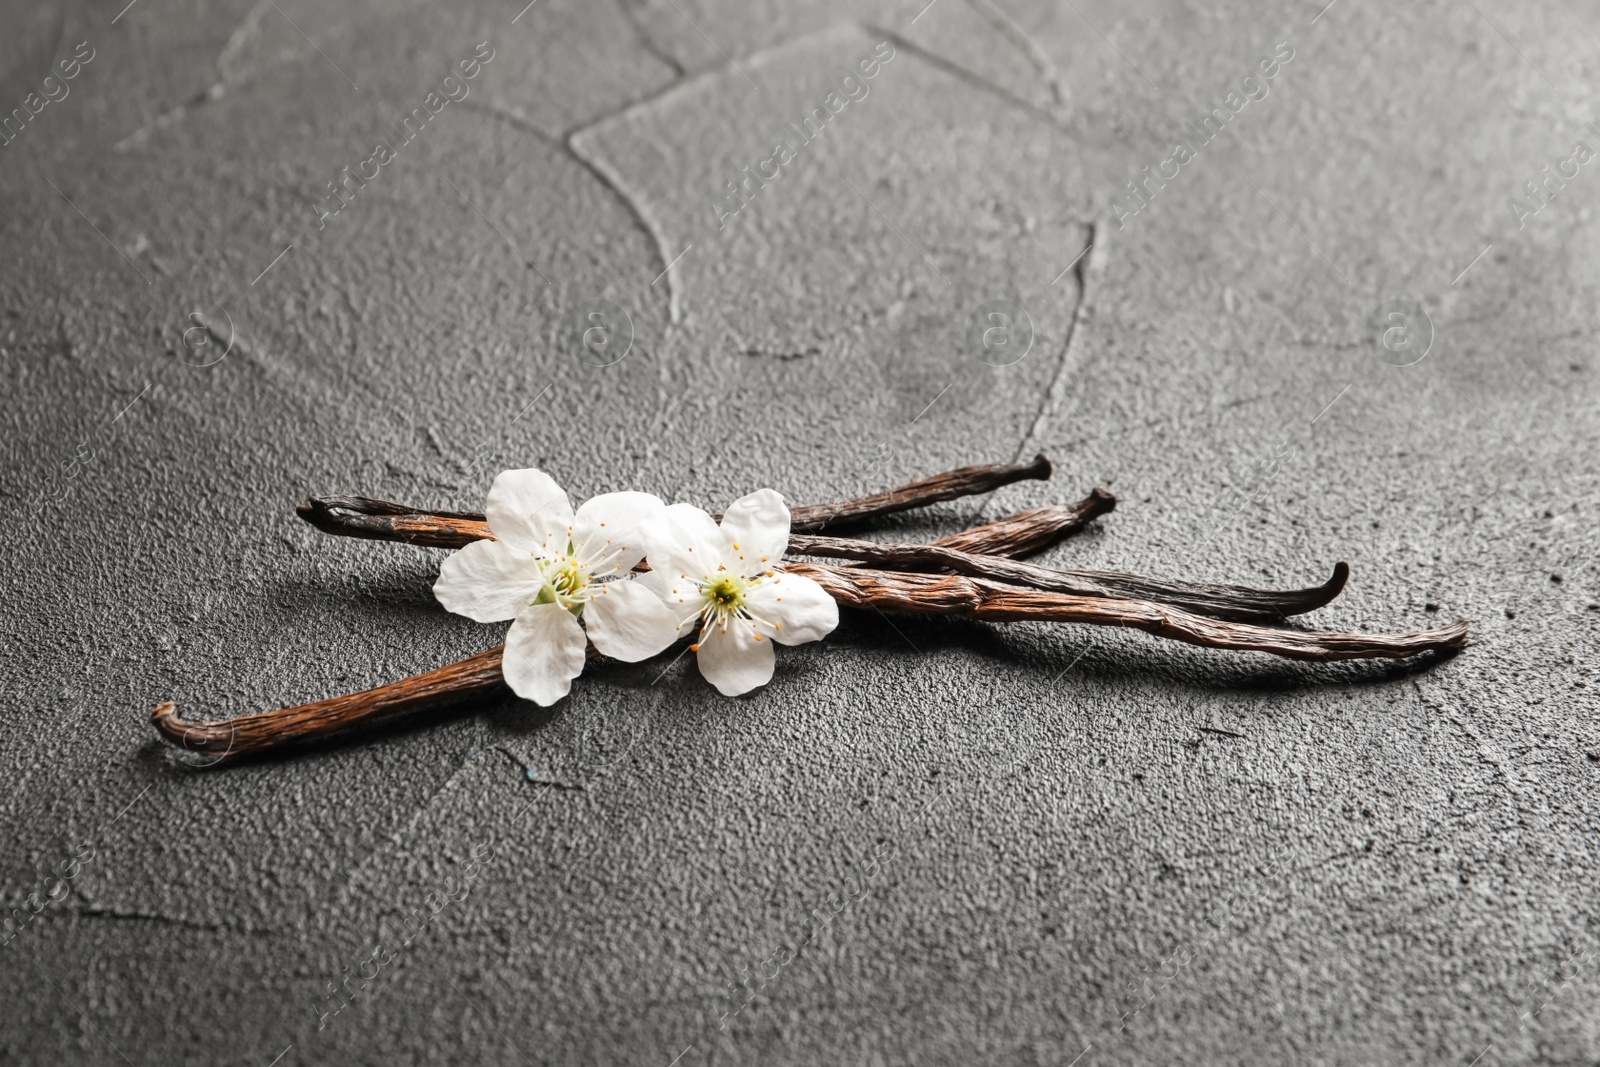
x=567 y=581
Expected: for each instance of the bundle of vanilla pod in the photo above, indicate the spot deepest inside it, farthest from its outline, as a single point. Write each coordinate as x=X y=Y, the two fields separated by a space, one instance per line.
x=628 y=577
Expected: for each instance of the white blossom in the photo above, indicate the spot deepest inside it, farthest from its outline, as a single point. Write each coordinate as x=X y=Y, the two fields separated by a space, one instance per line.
x=729 y=583
x=546 y=569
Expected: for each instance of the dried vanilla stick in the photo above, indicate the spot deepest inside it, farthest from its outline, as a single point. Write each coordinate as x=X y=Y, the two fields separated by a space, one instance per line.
x=381 y=520
x=251 y=735
x=480 y=675
x=921 y=594
x=978 y=598
x=984 y=586
x=1235 y=602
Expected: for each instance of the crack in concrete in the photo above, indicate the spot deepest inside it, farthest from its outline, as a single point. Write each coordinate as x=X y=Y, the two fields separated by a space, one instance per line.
x=955 y=70
x=1485 y=751
x=567 y=143
x=234 y=47
x=648 y=43
x=1036 y=56
x=784 y=355
x=232 y=50
x=100 y=911
x=1088 y=264
x=596 y=165
x=754 y=59
x=613 y=182
x=230 y=76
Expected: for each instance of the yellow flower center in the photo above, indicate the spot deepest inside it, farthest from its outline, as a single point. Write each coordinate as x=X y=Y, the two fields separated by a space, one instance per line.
x=566 y=582
x=724 y=595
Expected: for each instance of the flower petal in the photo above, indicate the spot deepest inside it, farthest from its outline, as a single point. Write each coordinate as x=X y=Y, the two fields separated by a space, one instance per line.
x=488 y=581
x=680 y=595
x=736 y=659
x=757 y=529
x=685 y=540
x=629 y=622
x=544 y=653
x=528 y=510
x=610 y=528
x=801 y=608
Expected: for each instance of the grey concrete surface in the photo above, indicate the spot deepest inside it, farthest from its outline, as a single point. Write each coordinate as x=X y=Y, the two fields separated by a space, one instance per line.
x=923 y=843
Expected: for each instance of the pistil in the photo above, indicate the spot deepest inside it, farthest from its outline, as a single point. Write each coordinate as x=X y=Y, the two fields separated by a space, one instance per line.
x=566 y=582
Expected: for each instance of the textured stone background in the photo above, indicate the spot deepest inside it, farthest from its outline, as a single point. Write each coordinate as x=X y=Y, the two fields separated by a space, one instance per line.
x=1091 y=848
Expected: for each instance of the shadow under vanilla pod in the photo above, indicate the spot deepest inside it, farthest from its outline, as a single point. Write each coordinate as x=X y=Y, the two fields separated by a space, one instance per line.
x=975 y=573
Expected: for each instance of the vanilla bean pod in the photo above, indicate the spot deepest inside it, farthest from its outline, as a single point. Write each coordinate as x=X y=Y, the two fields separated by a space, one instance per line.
x=853 y=586
x=382 y=520
x=951 y=485
x=1022 y=534
x=921 y=594
x=251 y=735
x=979 y=598
x=1237 y=603
x=1030 y=532
x=480 y=675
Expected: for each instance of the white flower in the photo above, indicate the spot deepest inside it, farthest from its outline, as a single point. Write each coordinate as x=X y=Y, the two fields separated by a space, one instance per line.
x=546 y=568
x=727 y=580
